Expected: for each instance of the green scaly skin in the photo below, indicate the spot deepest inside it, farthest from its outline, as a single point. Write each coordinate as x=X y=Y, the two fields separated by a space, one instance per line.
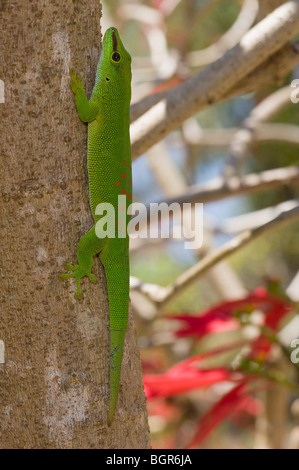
x=109 y=173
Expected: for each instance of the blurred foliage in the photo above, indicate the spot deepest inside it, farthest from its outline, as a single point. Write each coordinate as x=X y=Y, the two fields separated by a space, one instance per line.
x=202 y=30
x=158 y=266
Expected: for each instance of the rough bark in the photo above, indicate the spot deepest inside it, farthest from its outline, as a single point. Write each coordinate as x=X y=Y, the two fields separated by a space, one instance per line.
x=54 y=382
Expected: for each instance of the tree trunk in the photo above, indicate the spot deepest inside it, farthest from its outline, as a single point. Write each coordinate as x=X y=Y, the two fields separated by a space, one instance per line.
x=54 y=380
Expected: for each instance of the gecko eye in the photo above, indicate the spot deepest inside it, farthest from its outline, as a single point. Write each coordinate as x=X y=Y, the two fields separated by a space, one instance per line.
x=116 y=57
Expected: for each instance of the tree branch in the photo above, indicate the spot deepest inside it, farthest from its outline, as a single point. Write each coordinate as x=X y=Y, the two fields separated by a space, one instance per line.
x=162 y=295
x=220 y=188
x=244 y=136
x=217 y=79
x=229 y=39
x=254 y=219
x=203 y=137
x=272 y=70
x=172 y=183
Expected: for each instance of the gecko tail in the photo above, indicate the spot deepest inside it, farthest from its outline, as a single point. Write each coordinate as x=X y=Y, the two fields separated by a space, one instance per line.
x=117 y=338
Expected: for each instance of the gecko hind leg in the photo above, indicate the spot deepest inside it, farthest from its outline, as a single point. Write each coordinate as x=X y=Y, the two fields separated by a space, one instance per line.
x=88 y=247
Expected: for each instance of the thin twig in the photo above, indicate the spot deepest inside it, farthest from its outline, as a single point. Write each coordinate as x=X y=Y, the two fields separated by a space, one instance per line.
x=242 y=24
x=245 y=134
x=220 y=188
x=172 y=182
x=253 y=219
x=162 y=295
x=203 y=137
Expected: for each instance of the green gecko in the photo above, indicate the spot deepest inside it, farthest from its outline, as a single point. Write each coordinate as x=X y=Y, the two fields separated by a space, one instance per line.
x=109 y=172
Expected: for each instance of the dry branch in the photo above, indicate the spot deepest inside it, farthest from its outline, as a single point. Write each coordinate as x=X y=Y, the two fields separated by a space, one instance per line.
x=220 y=188
x=244 y=136
x=172 y=183
x=162 y=295
x=242 y=24
x=253 y=219
x=272 y=70
x=195 y=135
x=217 y=79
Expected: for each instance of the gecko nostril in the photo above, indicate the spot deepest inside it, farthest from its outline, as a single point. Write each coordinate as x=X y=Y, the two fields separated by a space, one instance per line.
x=107 y=79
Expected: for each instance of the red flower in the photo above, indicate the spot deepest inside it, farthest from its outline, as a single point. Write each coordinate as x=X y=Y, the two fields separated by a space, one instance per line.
x=186 y=376
x=222 y=318
x=165 y=385
x=209 y=322
x=279 y=308
x=232 y=402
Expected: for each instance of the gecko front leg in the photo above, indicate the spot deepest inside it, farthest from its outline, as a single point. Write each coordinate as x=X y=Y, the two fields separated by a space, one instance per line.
x=87 y=109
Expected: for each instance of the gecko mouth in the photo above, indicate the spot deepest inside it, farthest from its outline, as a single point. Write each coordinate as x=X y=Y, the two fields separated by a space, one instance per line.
x=114 y=41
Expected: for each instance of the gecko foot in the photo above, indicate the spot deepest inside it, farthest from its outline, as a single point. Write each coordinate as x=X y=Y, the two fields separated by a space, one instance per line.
x=77 y=82
x=78 y=273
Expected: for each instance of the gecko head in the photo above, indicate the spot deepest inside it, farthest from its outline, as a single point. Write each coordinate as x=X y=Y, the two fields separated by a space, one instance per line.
x=115 y=62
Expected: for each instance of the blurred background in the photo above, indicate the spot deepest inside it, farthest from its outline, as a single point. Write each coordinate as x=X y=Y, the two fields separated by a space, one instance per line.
x=221 y=375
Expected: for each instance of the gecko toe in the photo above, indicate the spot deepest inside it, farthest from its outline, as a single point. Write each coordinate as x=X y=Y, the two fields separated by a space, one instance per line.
x=78 y=294
x=66 y=275
x=93 y=278
x=70 y=267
